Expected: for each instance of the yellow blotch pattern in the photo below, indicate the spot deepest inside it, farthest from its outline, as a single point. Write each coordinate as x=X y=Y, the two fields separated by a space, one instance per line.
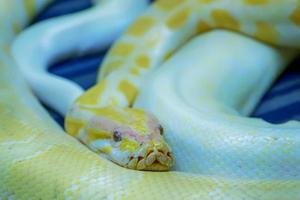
x=266 y=32
x=94 y=134
x=129 y=90
x=223 y=19
x=135 y=71
x=106 y=150
x=109 y=112
x=295 y=16
x=179 y=18
x=92 y=96
x=128 y=145
x=73 y=126
x=49 y=186
x=29 y=7
x=16 y=27
x=141 y=26
x=139 y=122
x=143 y=61
x=203 y=27
x=167 y=5
x=112 y=66
x=10 y=120
x=122 y=49
x=256 y=2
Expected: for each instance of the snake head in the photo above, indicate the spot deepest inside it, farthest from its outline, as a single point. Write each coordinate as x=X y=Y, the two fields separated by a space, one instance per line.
x=129 y=137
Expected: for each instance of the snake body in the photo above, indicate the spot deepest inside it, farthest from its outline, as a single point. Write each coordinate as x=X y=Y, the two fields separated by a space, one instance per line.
x=38 y=161
x=99 y=26
x=161 y=30
x=229 y=87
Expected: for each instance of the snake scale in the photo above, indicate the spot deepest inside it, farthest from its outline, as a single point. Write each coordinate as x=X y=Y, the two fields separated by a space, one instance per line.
x=219 y=153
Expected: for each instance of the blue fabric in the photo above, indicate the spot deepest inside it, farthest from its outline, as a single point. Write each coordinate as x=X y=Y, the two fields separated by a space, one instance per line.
x=281 y=103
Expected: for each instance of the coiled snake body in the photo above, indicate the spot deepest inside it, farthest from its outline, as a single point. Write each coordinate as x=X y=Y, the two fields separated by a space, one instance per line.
x=223 y=154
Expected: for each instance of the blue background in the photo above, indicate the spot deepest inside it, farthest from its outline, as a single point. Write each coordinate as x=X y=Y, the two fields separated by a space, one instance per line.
x=281 y=103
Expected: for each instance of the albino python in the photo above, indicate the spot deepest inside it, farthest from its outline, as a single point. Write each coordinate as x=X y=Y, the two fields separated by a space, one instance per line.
x=99 y=26
x=223 y=154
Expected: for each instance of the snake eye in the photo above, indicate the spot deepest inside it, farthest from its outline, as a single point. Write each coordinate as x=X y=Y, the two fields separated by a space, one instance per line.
x=161 y=130
x=117 y=136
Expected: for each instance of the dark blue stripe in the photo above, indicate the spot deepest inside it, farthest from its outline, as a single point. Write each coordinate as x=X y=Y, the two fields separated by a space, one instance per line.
x=274 y=92
x=62 y=7
x=283 y=114
x=76 y=67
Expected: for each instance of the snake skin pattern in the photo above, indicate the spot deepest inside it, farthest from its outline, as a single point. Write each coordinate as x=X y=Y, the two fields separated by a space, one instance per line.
x=38 y=161
x=161 y=30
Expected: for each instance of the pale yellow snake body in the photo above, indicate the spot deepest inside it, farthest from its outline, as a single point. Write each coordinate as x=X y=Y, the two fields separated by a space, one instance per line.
x=38 y=161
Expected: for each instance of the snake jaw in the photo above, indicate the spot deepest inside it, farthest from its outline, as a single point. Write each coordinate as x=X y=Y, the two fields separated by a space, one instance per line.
x=152 y=158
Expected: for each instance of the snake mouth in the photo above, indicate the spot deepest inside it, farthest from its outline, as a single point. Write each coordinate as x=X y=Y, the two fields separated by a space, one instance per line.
x=154 y=160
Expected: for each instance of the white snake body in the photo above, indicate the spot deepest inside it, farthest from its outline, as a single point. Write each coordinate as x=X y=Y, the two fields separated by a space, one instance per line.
x=219 y=153
x=88 y=31
x=226 y=81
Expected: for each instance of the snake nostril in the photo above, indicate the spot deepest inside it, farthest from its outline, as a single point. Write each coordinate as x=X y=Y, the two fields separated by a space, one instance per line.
x=161 y=151
x=169 y=154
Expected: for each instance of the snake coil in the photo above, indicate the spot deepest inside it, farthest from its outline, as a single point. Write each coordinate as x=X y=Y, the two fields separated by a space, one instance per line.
x=219 y=153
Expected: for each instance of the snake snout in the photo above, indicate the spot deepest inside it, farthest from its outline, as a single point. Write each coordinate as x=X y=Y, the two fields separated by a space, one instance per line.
x=152 y=158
